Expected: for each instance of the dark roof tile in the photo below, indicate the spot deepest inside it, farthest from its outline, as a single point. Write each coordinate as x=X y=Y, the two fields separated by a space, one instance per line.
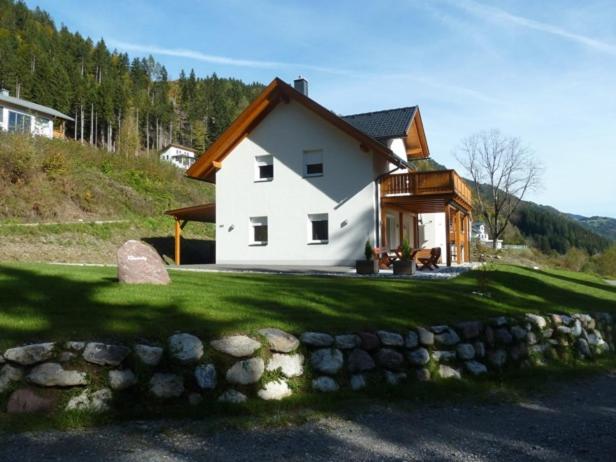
x=382 y=125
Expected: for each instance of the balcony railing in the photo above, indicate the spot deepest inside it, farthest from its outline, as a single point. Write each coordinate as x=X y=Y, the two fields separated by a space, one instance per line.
x=437 y=182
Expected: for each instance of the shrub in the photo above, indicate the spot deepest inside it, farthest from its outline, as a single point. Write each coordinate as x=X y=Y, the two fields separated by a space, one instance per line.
x=368 y=250
x=575 y=259
x=606 y=262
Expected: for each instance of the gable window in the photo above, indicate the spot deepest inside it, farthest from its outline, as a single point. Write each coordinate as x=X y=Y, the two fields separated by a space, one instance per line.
x=313 y=162
x=258 y=231
x=264 y=168
x=318 y=228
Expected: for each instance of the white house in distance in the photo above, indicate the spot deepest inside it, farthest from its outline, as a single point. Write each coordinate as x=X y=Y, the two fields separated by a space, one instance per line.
x=481 y=234
x=178 y=155
x=297 y=184
x=21 y=116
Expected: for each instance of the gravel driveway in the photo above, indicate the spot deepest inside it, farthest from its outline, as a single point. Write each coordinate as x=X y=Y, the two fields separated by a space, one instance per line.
x=575 y=422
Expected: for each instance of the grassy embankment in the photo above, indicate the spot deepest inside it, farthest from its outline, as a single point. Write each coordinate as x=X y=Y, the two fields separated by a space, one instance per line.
x=64 y=182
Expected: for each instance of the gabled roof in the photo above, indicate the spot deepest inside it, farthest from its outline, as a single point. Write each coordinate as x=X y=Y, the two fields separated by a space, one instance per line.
x=278 y=91
x=179 y=146
x=383 y=125
x=33 y=106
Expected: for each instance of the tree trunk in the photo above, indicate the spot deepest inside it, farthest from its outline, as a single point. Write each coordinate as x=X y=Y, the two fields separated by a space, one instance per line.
x=81 y=121
x=92 y=123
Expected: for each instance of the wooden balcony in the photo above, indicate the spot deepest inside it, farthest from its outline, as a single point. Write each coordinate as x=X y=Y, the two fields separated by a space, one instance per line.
x=428 y=191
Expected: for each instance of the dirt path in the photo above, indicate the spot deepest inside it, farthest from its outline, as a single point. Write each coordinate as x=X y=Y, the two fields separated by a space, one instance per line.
x=577 y=422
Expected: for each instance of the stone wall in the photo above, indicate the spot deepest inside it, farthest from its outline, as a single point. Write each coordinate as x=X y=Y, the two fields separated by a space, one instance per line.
x=273 y=365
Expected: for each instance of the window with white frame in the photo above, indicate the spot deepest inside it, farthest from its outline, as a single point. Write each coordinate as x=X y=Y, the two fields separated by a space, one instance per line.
x=318 y=228
x=258 y=230
x=19 y=122
x=264 y=168
x=313 y=162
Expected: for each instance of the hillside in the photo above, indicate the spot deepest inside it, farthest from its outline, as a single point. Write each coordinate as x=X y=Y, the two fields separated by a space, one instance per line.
x=53 y=180
x=605 y=226
x=549 y=229
x=53 y=192
x=117 y=103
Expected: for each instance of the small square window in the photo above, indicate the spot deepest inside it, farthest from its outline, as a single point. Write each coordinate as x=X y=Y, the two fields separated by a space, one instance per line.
x=318 y=230
x=313 y=163
x=264 y=168
x=258 y=231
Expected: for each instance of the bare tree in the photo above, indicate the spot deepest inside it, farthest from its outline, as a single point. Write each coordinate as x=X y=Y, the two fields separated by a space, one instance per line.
x=504 y=170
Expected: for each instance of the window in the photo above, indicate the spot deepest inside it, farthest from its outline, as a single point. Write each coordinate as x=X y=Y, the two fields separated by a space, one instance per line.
x=318 y=230
x=264 y=168
x=258 y=231
x=313 y=162
x=19 y=122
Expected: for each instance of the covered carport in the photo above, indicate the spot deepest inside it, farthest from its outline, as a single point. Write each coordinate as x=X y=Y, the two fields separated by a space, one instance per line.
x=205 y=213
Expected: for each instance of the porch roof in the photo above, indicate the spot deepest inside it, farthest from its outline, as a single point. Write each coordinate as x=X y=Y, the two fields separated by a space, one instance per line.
x=205 y=213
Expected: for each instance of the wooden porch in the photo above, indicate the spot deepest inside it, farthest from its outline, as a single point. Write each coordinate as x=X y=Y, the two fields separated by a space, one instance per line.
x=441 y=191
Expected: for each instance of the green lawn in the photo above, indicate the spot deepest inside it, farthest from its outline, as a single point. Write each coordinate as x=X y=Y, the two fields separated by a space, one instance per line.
x=39 y=301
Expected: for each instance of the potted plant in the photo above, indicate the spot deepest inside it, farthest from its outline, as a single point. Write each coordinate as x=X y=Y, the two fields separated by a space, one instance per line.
x=369 y=265
x=404 y=265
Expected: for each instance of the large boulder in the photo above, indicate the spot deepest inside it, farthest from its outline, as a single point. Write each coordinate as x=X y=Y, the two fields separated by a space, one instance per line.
x=9 y=374
x=206 y=376
x=54 y=375
x=185 y=348
x=418 y=357
x=324 y=384
x=139 y=263
x=246 y=371
x=105 y=355
x=238 y=346
x=121 y=380
x=165 y=385
x=279 y=340
x=149 y=355
x=360 y=361
x=30 y=354
x=316 y=339
x=289 y=365
x=27 y=401
x=389 y=358
x=97 y=401
x=275 y=390
x=327 y=360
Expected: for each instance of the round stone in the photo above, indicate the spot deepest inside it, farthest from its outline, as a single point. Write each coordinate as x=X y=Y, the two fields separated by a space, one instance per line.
x=390 y=338
x=233 y=397
x=238 y=346
x=164 y=385
x=360 y=361
x=279 y=340
x=30 y=354
x=324 y=384
x=246 y=371
x=317 y=339
x=185 y=348
x=289 y=365
x=389 y=359
x=275 y=390
x=54 y=375
x=149 y=355
x=465 y=351
x=206 y=377
x=105 y=355
x=121 y=380
x=418 y=357
x=327 y=360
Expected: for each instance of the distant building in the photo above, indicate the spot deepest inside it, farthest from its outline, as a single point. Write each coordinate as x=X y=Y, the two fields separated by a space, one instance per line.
x=178 y=155
x=481 y=234
x=21 y=116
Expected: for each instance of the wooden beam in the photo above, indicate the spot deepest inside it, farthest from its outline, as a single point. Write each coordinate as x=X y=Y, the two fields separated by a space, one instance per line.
x=383 y=242
x=458 y=231
x=217 y=165
x=447 y=235
x=178 y=235
x=400 y=227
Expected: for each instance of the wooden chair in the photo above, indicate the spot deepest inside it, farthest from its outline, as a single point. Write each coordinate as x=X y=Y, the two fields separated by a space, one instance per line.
x=429 y=258
x=382 y=255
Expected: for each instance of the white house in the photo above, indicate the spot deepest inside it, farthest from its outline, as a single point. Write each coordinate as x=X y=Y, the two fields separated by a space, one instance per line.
x=178 y=155
x=19 y=115
x=297 y=184
x=481 y=234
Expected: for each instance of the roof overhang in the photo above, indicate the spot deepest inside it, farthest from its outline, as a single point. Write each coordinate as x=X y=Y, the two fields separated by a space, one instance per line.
x=276 y=92
x=205 y=213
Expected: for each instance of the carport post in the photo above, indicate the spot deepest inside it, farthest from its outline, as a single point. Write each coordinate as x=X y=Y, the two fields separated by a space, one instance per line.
x=178 y=233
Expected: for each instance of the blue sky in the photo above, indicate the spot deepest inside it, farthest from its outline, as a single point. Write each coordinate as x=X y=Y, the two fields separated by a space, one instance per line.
x=543 y=71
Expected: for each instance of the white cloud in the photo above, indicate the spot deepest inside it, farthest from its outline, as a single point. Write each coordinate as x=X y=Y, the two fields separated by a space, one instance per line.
x=494 y=14
x=217 y=59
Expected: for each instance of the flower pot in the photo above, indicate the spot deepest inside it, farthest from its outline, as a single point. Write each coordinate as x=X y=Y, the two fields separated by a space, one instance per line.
x=367 y=266
x=404 y=267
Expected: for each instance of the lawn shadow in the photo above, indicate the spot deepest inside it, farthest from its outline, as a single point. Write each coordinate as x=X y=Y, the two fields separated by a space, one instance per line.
x=193 y=251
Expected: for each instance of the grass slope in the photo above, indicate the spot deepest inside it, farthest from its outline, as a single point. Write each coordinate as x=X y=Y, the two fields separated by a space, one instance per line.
x=41 y=302
x=56 y=180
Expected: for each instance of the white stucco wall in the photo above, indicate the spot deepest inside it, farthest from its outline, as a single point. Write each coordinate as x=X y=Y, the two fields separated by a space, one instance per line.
x=432 y=232
x=346 y=192
x=40 y=125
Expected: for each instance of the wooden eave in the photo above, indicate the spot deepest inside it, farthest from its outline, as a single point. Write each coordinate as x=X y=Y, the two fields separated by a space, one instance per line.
x=277 y=91
x=205 y=213
x=415 y=142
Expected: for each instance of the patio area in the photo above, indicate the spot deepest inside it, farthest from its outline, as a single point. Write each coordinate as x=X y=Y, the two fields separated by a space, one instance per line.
x=443 y=272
